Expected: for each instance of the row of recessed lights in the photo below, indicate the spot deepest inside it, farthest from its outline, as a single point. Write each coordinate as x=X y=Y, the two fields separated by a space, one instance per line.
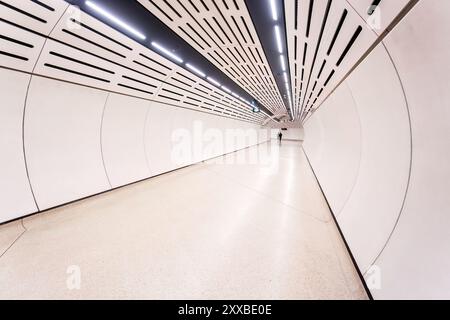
x=277 y=31
x=165 y=51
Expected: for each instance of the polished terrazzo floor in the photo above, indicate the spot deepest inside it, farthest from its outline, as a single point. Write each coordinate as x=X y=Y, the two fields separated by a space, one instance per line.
x=229 y=228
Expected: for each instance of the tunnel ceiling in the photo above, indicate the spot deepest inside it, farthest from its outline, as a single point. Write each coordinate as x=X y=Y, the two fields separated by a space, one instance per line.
x=144 y=27
x=58 y=41
x=224 y=33
x=289 y=70
x=283 y=57
x=326 y=39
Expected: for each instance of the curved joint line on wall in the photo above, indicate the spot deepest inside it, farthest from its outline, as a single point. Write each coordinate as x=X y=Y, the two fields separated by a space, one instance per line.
x=23 y=143
x=101 y=139
x=410 y=163
x=25 y=109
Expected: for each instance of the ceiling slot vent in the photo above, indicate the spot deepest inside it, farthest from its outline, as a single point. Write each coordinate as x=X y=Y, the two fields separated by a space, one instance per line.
x=32 y=16
x=21 y=43
x=80 y=62
x=12 y=55
x=100 y=34
x=169 y=98
x=349 y=45
x=93 y=43
x=139 y=81
x=135 y=89
x=310 y=13
x=338 y=30
x=154 y=61
x=75 y=72
x=150 y=68
x=43 y=5
x=160 y=10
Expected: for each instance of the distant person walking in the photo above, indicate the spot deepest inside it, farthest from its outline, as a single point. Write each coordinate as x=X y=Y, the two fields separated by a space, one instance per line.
x=280 y=137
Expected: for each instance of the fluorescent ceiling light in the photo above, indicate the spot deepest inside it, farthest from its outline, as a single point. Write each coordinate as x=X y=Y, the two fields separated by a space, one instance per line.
x=213 y=81
x=285 y=77
x=236 y=95
x=114 y=19
x=226 y=89
x=283 y=63
x=197 y=71
x=246 y=101
x=167 y=52
x=278 y=39
x=273 y=8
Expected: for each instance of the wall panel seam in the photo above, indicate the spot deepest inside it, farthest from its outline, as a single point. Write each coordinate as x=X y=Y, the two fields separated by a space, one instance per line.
x=101 y=140
x=411 y=157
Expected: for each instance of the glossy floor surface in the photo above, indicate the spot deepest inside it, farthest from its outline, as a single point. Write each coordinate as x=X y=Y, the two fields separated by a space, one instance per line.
x=250 y=225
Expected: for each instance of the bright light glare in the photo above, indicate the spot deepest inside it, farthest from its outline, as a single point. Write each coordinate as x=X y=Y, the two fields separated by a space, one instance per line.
x=285 y=77
x=114 y=19
x=278 y=38
x=167 y=52
x=226 y=89
x=197 y=71
x=283 y=63
x=213 y=81
x=273 y=7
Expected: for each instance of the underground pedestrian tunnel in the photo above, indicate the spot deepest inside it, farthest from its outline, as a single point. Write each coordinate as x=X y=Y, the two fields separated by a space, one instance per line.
x=141 y=159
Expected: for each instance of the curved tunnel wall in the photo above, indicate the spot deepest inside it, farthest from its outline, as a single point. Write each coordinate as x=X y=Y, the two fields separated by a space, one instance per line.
x=80 y=141
x=380 y=148
x=85 y=109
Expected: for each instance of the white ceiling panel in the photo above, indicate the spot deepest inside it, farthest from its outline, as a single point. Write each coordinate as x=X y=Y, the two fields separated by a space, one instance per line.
x=83 y=50
x=326 y=39
x=223 y=32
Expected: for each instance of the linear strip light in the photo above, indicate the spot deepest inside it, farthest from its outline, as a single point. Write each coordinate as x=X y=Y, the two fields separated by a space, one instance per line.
x=226 y=89
x=278 y=39
x=213 y=81
x=273 y=8
x=196 y=70
x=114 y=19
x=283 y=63
x=167 y=52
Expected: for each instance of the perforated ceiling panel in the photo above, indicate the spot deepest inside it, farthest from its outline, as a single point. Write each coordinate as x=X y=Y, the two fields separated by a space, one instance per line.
x=83 y=50
x=224 y=33
x=326 y=39
x=20 y=48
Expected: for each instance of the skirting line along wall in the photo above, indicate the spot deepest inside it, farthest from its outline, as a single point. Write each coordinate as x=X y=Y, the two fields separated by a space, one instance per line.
x=380 y=147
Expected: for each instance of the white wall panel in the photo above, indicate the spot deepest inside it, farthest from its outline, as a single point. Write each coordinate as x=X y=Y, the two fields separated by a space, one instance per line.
x=410 y=241
x=123 y=139
x=371 y=212
x=63 y=133
x=158 y=137
x=184 y=137
x=333 y=144
x=15 y=194
x=293 y=134
x=416 y=262
x=214 y=129
x=62 y=141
